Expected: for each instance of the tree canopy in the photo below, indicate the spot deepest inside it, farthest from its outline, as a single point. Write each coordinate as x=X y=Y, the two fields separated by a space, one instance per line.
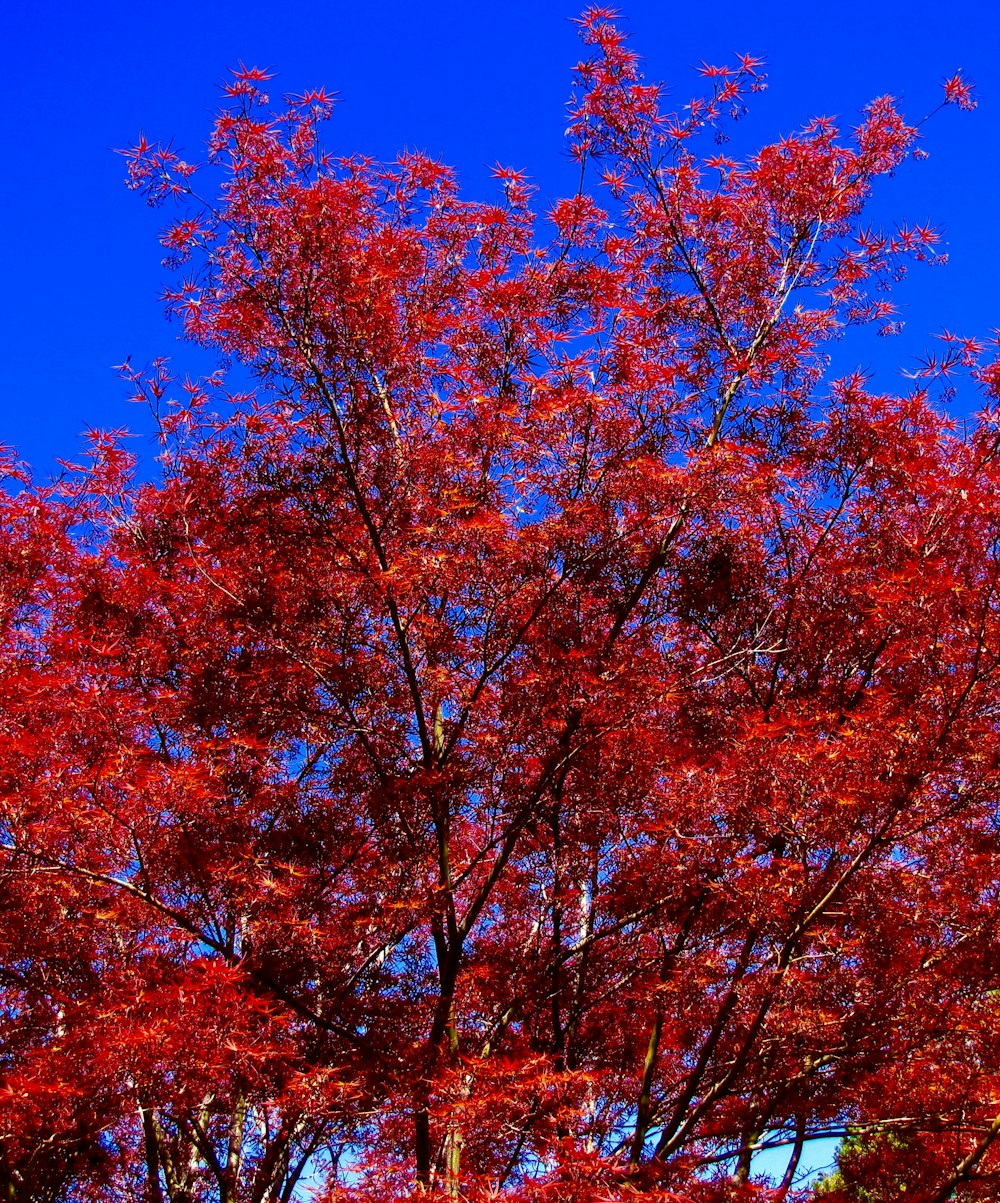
x=537 y=740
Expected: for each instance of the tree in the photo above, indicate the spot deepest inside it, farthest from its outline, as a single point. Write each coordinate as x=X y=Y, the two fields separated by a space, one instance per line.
x=539 y=743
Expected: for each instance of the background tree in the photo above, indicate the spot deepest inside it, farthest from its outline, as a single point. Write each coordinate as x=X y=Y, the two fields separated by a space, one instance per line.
x=539 y=743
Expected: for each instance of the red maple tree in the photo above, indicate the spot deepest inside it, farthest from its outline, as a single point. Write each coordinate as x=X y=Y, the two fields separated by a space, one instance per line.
x=539 y=744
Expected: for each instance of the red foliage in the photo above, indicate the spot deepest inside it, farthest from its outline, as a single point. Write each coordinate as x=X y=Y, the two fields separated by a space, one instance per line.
x=959 y=91
x=541 y=745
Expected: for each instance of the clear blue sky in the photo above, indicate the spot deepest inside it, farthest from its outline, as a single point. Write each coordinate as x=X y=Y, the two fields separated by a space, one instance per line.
x=471 y=85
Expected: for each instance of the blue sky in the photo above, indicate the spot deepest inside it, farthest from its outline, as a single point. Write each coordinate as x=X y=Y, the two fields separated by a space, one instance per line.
x=470 y=84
